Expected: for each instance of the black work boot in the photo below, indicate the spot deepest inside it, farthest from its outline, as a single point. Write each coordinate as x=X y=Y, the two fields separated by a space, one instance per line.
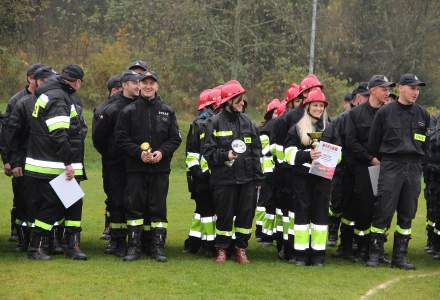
x=73 y=249
x=362 y=252
x=134 y=243
x=333 y=230
x=375 y=249
x=346 y=247
x=23 y=238
x=121 y=242
x=208 y=249
x=400 y=252
x=258 y=233
x=55 y=240
x=317 y=259
x=38 y=245
x=429 y=248
x=192 y=245
x=301 y=258
x=106 y=233
x=158 y=245
x=436 y=246
x=146 y=241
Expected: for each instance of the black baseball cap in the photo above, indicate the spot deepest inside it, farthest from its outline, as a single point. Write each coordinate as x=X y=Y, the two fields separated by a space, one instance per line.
x=114 y=82
x=380 y=80
x=138 y=64
x=44 y=72
x=72 y=73
x=410 y=79
x=151 y=75
x=361 y=89
x=32 y=68
x=348 y=97
x=130 y=76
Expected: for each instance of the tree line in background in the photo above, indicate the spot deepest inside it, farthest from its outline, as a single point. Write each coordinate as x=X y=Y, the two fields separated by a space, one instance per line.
x=196 y=44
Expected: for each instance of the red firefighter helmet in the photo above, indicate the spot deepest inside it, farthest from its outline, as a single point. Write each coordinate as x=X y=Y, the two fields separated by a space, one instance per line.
x=315 y=95
x=282 y=108
x=310 y=81
x=273 y=105
x=293 y=92
x=203 y=99
x=230 y=90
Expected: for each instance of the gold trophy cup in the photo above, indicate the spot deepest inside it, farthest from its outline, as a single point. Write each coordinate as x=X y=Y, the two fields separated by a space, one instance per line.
x=315 y=136
x=145 y=147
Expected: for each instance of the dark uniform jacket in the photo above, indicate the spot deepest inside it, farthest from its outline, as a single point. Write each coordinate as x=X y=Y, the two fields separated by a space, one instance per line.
x=56 y=134
x=399 y=132
x=357 y=126
x=103 y=130
x=222 y=129
x=150 y=121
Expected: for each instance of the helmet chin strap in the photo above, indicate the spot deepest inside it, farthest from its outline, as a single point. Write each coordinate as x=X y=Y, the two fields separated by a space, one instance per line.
x=308 y=112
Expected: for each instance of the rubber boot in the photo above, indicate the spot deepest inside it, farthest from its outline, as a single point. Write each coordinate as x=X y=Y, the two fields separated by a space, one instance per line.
x=375 y=249
x=38 y=245
x=280 y=245
x=301 y=258
x=14 y=234
x=208 y=248
x=362 y=252
x=146 y=242
x=106 y=233
x=436 y=246
x=258 y=233
x=55 y=241
x=192 y=245
x=400 y=252
x=73 y=250
x=158 y=245
x=134 y=250
x=221 y=256
x=345 y=250
x=241 y=256
x=317 y=258
x=23 y=238
x=333 y=230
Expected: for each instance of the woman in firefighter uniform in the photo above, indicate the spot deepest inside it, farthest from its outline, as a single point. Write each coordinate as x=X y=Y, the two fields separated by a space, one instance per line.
x=202 y=230
x=311 y=201
x=232 y=148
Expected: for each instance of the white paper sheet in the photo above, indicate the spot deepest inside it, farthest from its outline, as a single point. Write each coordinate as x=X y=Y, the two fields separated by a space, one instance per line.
x=325 y=165
x=374 y=177
x=68 y=191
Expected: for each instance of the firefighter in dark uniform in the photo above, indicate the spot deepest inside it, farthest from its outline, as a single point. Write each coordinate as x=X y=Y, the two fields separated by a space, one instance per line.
x=358 y=126
x=233 y=150
x=138 y=66
x=398 y=140
x=431 y=175
x=113 y=168
x=266 y=205
x=55 y=146
x=16 y=139
x=148 y=134
x=311 y=193
x=113 y=86
x=202 y=230
x=16 y=182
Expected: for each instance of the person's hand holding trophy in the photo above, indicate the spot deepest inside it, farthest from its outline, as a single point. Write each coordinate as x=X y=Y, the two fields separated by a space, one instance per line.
x=315 y=137
x=238 y=147
x=146 y=155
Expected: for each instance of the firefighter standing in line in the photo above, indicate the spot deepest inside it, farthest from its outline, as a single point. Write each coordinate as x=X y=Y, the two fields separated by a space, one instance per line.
x=55 y=146
x=148 y=150
x=138 y=66
x=113 y=168
x=398 y=140
x=202 y=230
x=265 y=205
x=311 y=193
x=113 y=86
x=233 y=150
x=16 y=182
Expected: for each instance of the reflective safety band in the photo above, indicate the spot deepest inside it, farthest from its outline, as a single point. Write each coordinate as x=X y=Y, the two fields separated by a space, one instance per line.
x=73 y=112
x=403 y=231
x=136 y=222
x=419 y=137
x=302 y=237
x=286 y=223
x=268 y=224
x=58 y=122
x=118 y=225
x=18 y=221
x=279 y=153
x=319 y=237
x=221 y=133
x=267 y=164
x=196 y=226
x=50 y=167
x=243 y=230
x=192 y=159
x=70 y=223
x=436 y=231
x=265 y=144
x=208 y=228
x=361 y=232
x=43 y=225
x=202 y=136
x=147 y=227
x=290 y=155
x=347 y=222
x=159 y=225
x=377 y=230
x=223 y=232
x=278 y=211
x=430 y=223
x=204 y=164
x=291 y=215
x=259 y=215
x=41 y=102
x=331 y=213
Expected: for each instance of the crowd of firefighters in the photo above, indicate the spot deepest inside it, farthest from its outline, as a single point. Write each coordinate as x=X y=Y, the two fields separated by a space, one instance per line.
x=236 y=171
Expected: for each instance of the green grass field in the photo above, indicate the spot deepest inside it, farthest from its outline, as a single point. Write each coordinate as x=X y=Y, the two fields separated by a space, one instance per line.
x=192 y=277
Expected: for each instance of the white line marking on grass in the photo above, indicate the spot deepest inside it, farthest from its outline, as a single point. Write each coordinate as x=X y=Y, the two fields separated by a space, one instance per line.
x=388 y=283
